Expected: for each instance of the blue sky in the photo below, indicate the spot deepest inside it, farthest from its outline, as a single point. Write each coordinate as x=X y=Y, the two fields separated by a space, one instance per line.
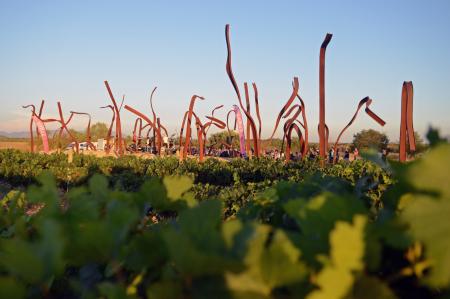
x=64 y=50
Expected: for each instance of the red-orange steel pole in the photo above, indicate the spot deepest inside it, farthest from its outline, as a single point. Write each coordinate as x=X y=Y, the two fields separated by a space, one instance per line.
x=322 y=131
x=119 y=146
x=406 y=121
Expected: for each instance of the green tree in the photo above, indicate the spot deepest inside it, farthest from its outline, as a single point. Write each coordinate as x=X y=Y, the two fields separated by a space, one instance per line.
x=370 y=139
x=224 y=137
x=420 y=144
x=99 y=130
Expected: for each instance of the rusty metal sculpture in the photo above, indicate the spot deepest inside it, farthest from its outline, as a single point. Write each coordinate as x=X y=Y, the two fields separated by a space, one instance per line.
x=118 y=142
x=258 y=115
x=40 y=127
x=237 y=122
x=212 y=115
x=293 y=122
x=88 y=128
x=149 y=122
x=187 y=140
x=366 y=101
x=201 y=129
x=137 y=132
x=108 y=136
x=212 y=121
x=406 y=121
x=63 y=127
x=236 y=88
x=39 y=121
x=323 y=130
x=154 y=125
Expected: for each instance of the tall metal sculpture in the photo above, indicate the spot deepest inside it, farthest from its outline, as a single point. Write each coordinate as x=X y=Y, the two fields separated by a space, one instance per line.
x=236 y=88
x=292 y=124
x=118 y=144
x=406 y=121
x=109 y=134
x=155 y=126
x=149 y=122
x=201 y=129
x=137 y=132
x=40 y=123
x=40 y=127
x=187 y=140
x=323 y=130
x=258 y=115
x=240 y=125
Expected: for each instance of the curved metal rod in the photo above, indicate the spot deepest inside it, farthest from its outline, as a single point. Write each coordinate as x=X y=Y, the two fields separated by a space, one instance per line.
x=153 y=125
x=108 y=137
x=293 y=126
x=118 y=145
x=121 y=103
x=64 y=127
x=137 y=135
x=212 y=114
x=41 y=108
x=151 y=104
x=188 y=129
x=247 y=134
x=215 y=121
x=182 y=130
x=201 y=135
x=288 y=113
x=366 y=101
x=33 y=112
x=258 y=115
x=88 y=129
x=287 y=126
x=305 y=126
x=287 y=105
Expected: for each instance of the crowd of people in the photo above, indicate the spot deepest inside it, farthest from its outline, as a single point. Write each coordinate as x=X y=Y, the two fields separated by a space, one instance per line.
x=169 y=148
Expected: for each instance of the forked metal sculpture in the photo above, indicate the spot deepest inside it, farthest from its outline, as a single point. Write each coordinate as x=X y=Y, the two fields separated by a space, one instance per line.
x=406 y=122
x=39 y=121
x=154 y=125
x=293 y=122
x=118 y=142
x=201 y=129
x=40 y=127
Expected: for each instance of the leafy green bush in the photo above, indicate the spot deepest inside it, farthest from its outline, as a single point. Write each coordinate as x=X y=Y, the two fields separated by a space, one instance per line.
x=305 y=234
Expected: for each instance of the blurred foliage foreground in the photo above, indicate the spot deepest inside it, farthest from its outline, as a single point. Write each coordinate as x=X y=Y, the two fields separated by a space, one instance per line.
x=324 y=234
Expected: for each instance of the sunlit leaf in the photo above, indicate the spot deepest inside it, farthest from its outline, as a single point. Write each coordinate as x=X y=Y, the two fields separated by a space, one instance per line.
x=346 y=256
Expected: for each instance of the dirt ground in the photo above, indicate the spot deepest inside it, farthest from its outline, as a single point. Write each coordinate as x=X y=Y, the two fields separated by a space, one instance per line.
x=20 y=145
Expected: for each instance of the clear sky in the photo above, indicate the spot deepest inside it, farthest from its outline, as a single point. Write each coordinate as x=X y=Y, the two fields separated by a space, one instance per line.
x=64 y=50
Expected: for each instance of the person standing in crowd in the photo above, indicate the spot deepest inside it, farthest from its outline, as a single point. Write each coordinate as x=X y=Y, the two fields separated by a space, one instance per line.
x=312 y=154
x=384 y=153
x=330 y=155
x=346 y=155
x=355 y=153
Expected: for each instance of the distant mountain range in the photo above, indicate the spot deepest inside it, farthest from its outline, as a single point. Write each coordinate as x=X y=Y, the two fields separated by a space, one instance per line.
x=24 y=134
